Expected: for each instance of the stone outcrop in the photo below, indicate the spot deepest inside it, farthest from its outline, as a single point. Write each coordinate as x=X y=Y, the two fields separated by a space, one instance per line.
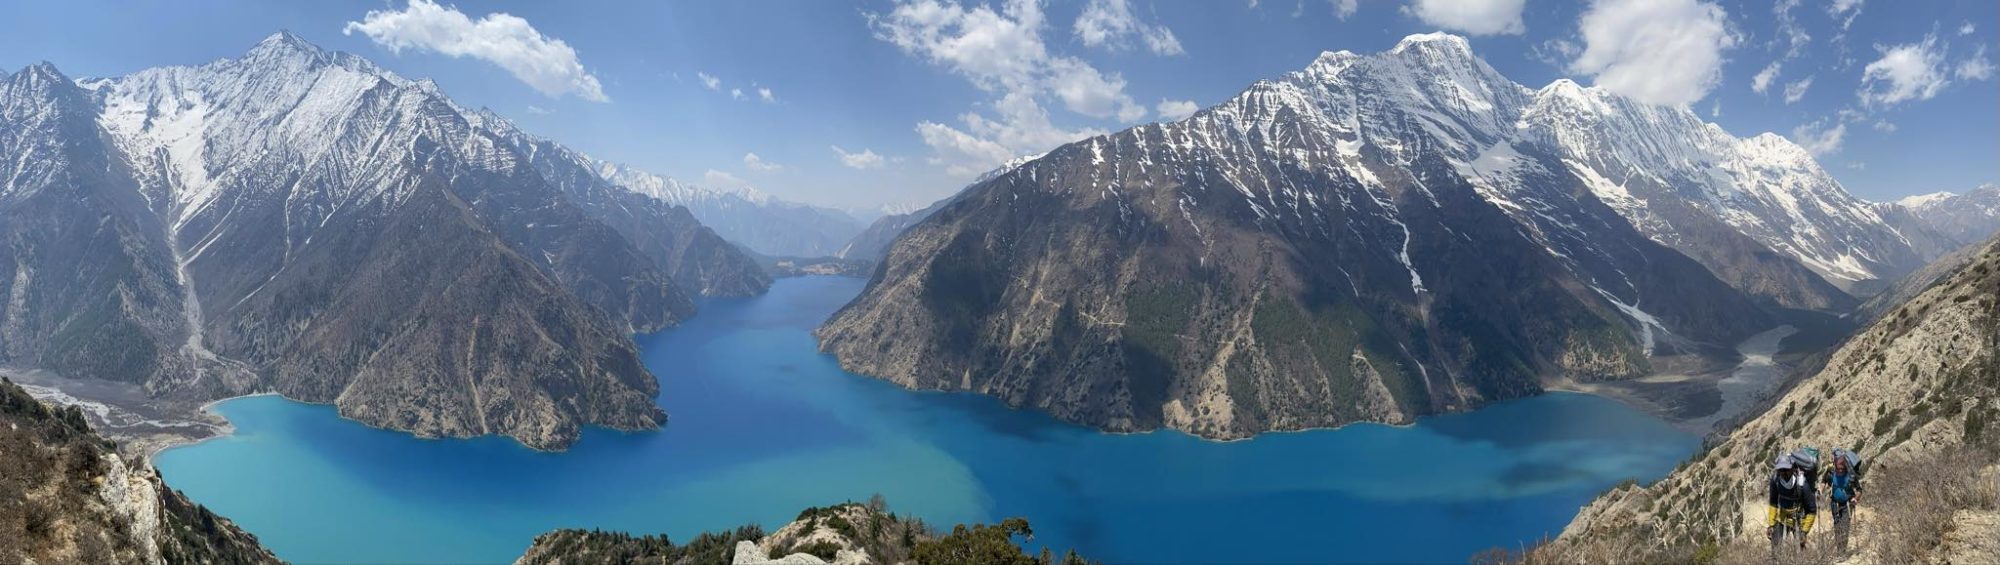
x=67 y=496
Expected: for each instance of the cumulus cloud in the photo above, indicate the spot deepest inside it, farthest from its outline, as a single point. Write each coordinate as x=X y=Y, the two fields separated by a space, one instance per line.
x=866 y=159
x=755 y=163
x=736 y=93
x=1976 y=67
x=1908 y=72
x=1112 y=25
x=1656 y=51
x=1477 y=17
x=1818 y=138
x=765 y=95
x=1965 y=29
x=1002 y=51
x=1176 y=109
x=1796 y=90
x=962 y=153
x=1085 y=91
x=544 y=63
x=709 y=81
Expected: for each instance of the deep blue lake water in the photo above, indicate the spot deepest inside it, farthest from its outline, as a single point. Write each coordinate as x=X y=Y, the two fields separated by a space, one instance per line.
x=762 y=426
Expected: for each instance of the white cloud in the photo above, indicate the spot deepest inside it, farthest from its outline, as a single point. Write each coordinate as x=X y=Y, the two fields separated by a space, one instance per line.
x=755 y=163
x=709 y=81
x=1003 y=53
x=1819 y=139
x=736 y=93
x=1762 y=81
x=1111 y=24
x=765 y=95
x=1791 y=35
x=1656 y=51
x=1477 y=17
x=1555 y=52
x=1796 y=90
x=1343 y=9
x=1965 y=29
x=1848 y=8
x=538 y=110
x=866 y=159
x=1975 y=67
x=1085 y=91
x=1023 y=128
x=1176 y=109
x=544 y=63
x=1912 y=71
x=1715 y=110
x=962 y=153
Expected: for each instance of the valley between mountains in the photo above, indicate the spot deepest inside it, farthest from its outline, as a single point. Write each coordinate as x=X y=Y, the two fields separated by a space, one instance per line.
x=1378 y=237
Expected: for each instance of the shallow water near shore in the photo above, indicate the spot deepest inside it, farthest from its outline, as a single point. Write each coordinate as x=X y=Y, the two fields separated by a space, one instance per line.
x=762 y=425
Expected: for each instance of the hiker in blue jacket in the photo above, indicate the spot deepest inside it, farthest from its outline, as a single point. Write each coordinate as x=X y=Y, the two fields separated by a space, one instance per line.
x=1843 y=483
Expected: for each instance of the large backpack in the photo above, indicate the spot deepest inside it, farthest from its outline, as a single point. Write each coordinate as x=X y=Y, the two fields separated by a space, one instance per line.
x=1806 y=460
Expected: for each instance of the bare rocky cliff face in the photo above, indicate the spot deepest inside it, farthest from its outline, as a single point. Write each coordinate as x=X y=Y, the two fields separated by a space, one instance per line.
x=1376 y=237
x=1917 y=394
x=66 y=496
x=301 y=221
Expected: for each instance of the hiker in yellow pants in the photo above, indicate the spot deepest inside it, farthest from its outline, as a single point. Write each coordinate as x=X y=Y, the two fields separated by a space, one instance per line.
x=1791 y=504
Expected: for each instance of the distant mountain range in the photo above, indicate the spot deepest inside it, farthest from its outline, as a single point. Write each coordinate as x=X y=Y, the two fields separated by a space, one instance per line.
x=1374 y=237
x=764 y=224
x=301 y=221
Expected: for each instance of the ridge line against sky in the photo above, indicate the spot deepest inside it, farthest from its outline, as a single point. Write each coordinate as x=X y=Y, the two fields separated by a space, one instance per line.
x=900 y=102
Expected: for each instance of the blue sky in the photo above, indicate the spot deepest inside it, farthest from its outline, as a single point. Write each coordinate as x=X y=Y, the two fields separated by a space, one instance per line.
x=919 y=95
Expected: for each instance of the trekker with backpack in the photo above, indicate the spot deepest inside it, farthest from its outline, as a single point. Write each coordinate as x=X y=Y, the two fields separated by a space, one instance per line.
x=1792 y=504
x=1843 y=484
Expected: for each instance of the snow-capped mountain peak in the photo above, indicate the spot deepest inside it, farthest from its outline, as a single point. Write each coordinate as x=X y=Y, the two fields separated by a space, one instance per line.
x=1924 y=200
x=1434 y=40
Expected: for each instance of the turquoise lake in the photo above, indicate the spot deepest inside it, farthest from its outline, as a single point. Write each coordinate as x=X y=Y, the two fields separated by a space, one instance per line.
x=762 y=425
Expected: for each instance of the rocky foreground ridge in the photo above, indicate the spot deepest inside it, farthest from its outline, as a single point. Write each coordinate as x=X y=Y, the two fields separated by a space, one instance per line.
x=1917 y=394
x=67 y=496
x=843 y=534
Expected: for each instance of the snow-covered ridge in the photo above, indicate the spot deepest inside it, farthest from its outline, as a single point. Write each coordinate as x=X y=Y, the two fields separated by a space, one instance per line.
x=1924 y=200
x=1431 y=95
x=677 y=192
x=321 y=130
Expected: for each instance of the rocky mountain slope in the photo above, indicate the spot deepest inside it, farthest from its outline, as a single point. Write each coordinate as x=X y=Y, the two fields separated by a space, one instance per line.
x=695 y=256
x=301 y=221
x=1372 y=238
x=753 y=219
x=1950 y=229
x=66 y=496
x=1915 y=394
x=847 y=534
x=1957 y=219
x=872 y=244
